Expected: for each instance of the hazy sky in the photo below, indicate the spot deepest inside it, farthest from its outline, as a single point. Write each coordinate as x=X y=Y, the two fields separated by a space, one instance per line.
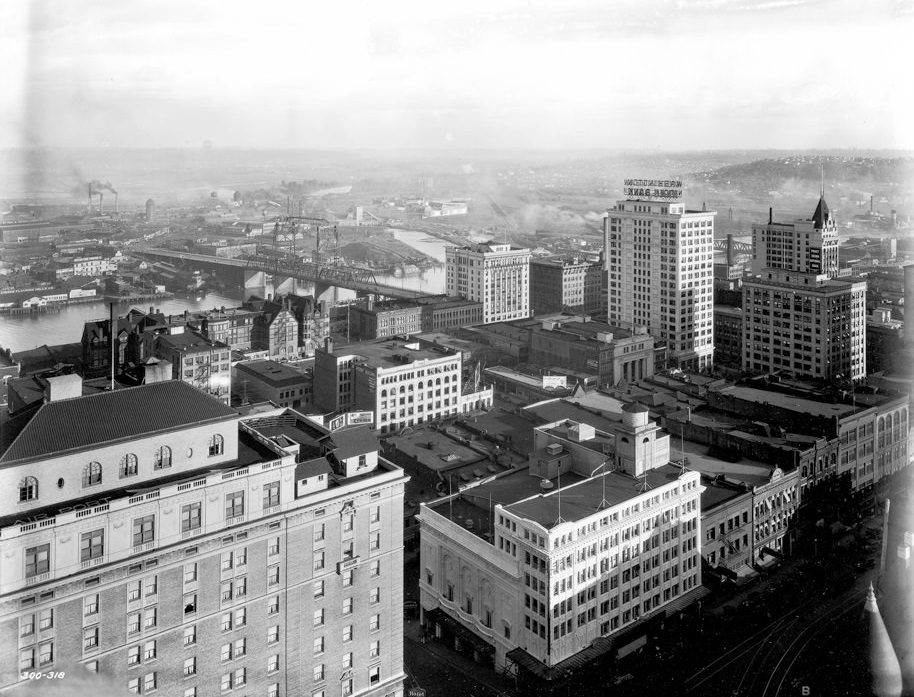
x=458 y=73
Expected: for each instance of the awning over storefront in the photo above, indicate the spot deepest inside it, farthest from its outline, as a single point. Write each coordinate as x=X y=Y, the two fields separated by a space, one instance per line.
x=453 y=627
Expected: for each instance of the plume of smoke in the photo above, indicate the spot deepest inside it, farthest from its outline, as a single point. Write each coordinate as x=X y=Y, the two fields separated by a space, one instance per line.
x=98 y=186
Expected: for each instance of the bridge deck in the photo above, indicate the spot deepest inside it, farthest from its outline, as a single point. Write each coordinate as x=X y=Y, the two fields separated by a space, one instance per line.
x=352 y=277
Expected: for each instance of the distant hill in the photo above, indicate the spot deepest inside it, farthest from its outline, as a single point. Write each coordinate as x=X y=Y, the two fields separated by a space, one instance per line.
x=893 y=175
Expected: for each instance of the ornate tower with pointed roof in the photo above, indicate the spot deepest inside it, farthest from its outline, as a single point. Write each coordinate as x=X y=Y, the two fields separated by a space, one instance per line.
x=805 y=246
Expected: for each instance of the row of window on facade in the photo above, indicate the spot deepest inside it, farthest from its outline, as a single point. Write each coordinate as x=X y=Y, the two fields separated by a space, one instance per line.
x=92 y=543
x=128 y=467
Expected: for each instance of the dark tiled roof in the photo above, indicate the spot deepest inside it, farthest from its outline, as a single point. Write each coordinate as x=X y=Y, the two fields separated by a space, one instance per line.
x=354 y=440
x=822 y=214
x=84 y=422
x=311 y=468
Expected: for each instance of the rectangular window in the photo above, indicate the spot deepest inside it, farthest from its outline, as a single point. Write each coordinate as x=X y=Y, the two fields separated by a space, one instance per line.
x=273 y=606
x=191 y=517
x=271 y=494
x=347 y=606
x=149 y=650
x=273 y=634
x=318 y=589
x=273 y=663
x=374 y=675
x=374 y=596
x=27 y=625
x=375 y=623
x=90 y=605
x=347 y=633
x=37 y=560
x=375 y=541
x=241 y=677
x=225 y=683
x=150 y=618
x=273 y=575
x=241 y=617
x=134 y=590
x=90 y=638
x=143 y=530
x=234 y=504
x=375 y=568
x=319 y=617
x=226 y=653
x=190 y=572
x=26 y=659
x=91 y=545
x=273 y=548
x=347 y=578
x=46 y=619
x=133 y=623
x=46 y=653
x=318 y=672
x=226 y=621
x=273 y=690
x=190 y=666
x=149 y=682
x=133 y=656
x=318 y=561
x=318 y=646
x=190 y=635
x=241 y=647
x=375 y=649
x=190 y=603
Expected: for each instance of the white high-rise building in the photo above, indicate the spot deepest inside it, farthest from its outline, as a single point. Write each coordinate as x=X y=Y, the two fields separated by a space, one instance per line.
x=497 y=275
x=660 y=260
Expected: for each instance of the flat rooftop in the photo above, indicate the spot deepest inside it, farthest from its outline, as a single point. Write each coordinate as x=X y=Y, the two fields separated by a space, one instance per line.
x=752 y=472
x=272 y=372
x=789 y=402
x=435 y=450
x=188 y=340
x=390 y=353
x=582 y=499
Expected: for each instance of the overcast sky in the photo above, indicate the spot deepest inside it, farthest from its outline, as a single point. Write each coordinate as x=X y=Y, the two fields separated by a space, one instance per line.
x=574 y=74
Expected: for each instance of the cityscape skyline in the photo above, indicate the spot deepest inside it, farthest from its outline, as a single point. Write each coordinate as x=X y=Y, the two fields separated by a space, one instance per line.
x=717 y=74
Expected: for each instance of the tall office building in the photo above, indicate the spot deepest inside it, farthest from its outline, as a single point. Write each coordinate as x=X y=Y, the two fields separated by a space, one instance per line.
x=797 y=318
x=497 y=275
x=806 y=246
x=660 y=260
x=164 y=542
x=565 y=284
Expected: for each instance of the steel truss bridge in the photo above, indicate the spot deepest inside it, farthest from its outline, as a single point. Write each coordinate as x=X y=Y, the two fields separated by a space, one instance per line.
x=286 y=266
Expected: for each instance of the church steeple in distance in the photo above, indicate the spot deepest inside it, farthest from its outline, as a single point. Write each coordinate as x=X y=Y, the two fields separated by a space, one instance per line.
x=884 y=666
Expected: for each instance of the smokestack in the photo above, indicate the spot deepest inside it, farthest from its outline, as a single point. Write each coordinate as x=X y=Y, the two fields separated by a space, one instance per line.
x=729 y=249
x=112 y=335
x=909 y=304
x=770 y=215
x=101 y=197
x=115 y=203
x=328 y=344
x=90 y=197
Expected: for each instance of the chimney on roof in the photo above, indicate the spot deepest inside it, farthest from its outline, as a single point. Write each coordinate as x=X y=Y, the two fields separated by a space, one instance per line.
x=63 y=387
x=328 y=344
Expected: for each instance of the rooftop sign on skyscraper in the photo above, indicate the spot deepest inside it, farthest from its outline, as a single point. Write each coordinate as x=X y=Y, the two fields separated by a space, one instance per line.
x=653 y=189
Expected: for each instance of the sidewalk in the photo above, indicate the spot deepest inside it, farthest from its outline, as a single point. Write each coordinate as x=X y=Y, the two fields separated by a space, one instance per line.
x=419 y=655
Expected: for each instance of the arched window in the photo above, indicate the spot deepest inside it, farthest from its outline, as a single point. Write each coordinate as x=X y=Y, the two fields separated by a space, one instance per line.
x=129 y=466
x=383 y=393
x=162 y=458
x=92 y=474
x=28 y=489
x=215 y=445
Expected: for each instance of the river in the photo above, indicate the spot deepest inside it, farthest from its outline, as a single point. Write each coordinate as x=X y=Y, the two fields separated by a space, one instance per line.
x=23 y=332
